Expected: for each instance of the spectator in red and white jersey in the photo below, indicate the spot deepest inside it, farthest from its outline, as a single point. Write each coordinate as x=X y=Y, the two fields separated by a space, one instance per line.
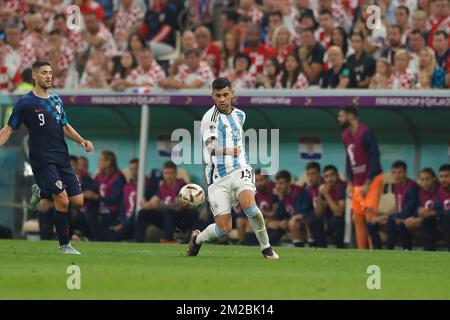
x=210 y=52
x=292 y=76
x=147 y=74
x=97 y=35
x=325 y=31
x=96 y=72
x=337 y=12
x=441 y=19
x=91 y=7
x=48 y=8
x=282 y=43
x=60 y=57
x=401 y=78
x=250 y=9
x=257 y=51
x=193 y=74
x=5 y=77
x=72 y=38
x=128 y=20
x=14 y=52
x=35 y=35
x=240 y=77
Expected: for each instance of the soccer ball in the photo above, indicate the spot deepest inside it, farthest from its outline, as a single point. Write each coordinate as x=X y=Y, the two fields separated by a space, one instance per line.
x=191 y=196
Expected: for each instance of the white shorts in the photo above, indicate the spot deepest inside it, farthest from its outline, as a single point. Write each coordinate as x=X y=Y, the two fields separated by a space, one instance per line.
x=223 y=194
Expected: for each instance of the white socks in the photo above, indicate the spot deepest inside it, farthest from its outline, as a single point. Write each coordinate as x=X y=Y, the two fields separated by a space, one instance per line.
x=259 y=227
x=211 y=232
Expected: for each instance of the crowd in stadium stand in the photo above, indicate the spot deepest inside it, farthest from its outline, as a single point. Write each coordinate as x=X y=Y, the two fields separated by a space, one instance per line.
x=292 y=44
x=308 y=212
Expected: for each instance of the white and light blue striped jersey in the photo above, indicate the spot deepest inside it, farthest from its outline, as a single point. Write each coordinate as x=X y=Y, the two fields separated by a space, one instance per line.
x=228 y=131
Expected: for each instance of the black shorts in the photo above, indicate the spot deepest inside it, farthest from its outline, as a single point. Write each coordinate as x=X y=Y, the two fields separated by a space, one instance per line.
x=54 y=179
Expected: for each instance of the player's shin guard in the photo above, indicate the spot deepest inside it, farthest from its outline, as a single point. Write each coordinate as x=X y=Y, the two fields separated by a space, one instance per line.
x=211 y=233
x=61 y=220
x=256 y=219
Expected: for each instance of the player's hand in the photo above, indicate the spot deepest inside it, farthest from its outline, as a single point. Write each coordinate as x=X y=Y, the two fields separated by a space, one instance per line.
x=235 y=152
x=324 y=189
x=365 y=189
x=87 y=145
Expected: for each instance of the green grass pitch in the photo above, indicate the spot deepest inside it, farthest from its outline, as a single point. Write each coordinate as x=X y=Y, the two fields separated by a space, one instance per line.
x=34 y=270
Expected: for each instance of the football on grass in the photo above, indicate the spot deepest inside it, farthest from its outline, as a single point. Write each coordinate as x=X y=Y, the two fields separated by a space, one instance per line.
x=191 y=196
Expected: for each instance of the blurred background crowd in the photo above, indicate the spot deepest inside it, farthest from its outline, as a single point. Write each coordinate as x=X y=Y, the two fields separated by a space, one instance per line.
x=268 y=44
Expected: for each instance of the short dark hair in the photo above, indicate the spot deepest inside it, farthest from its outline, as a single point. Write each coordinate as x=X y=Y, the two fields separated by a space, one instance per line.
x=399 y=164
x=260 y=171
x=444 y=167
x=330 y=167
x=351 y=110
x=221 y=83
x=27 y=76
x=73 y=158
x=133 y=161
x=283 y=174
x=54 y=32
x=40 y=63
x=231 y=15
x=429 y=171
x=326 y=11
x=275 y=13
x=242 y=55
x=358 y=34
x=416 y=31
x=193 y=51
x=402 y=7
x=313 y=165
x=169 y=165
x=440 y=33
x=395 y=26
x=310 y=30
x=59 y=16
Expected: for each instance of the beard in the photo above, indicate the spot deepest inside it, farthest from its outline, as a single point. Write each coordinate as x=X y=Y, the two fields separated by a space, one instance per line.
x=44 y=85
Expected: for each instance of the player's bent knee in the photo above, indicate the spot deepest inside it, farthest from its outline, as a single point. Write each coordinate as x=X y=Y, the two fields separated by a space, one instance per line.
x=76 y=202
x=61 y=201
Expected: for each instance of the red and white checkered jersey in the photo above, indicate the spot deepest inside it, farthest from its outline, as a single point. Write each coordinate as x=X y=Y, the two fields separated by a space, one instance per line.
x=125 y=20
x=404 y=80
x=147 y=78
x=254 y=13
x=203 y=73
x=245 y=80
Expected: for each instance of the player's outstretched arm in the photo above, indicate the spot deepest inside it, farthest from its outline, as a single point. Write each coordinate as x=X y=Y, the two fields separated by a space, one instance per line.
x=5 y=133
x=73 y=135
